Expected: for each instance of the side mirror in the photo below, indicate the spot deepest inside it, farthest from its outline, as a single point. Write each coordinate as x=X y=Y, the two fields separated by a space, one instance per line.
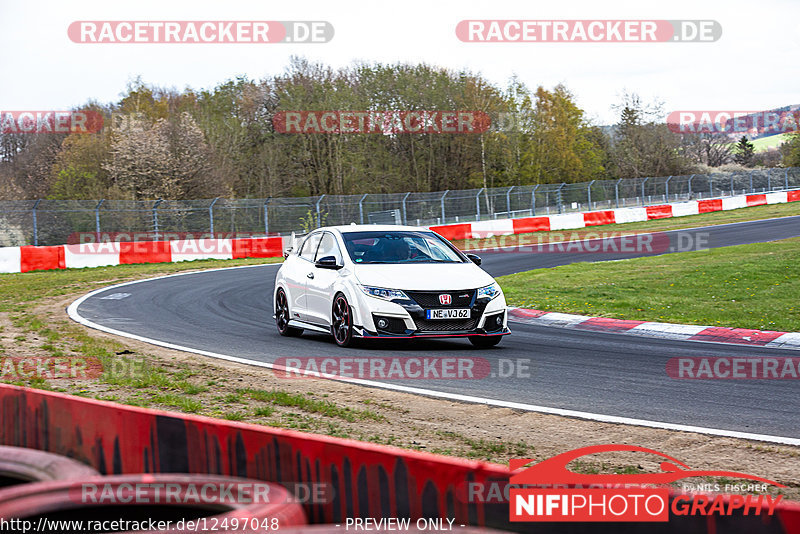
x=327 y=262
x=287 y=252
x=475 y=258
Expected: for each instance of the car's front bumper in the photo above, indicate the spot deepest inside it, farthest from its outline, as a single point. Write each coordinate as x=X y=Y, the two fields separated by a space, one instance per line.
x=377 y=318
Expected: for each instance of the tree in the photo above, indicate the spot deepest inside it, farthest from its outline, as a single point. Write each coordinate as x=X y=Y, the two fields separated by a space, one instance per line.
x=712 y=149
x=744 y=152
x=790 y=150
x=642 y=145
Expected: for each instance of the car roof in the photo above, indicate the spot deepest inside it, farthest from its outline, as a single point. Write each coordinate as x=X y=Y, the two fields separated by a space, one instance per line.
x=375 y=228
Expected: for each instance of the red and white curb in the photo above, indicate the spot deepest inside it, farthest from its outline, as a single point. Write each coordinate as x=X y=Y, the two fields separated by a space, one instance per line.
x=685 y=332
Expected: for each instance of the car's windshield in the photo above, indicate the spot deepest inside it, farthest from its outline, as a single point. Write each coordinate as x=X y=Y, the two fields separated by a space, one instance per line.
x=399 y=247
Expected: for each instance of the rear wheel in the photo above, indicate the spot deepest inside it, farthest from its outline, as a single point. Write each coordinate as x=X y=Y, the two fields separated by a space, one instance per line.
x=342 y=321
x=282 y=316
x=484 y=342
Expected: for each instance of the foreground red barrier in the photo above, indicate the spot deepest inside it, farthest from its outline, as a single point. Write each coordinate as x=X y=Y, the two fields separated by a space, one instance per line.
x=365 y=480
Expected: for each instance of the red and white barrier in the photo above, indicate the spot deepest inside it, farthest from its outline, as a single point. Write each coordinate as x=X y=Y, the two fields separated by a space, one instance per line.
x=24 y=259
x=571 y=221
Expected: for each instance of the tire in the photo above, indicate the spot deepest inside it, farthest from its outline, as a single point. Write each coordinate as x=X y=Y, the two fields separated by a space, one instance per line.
x=62 y=500
x=282 y=316
x=20 y=466
x=485 y=342
x=342 y=321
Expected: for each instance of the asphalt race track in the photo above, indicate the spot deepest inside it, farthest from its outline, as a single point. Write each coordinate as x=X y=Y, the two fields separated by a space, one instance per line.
x=229 y=312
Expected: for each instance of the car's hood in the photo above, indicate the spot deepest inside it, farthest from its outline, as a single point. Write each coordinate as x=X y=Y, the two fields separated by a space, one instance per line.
x=423 y=277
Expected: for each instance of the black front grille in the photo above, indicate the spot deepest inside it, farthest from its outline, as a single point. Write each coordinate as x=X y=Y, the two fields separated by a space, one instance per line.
x=448 y=325
x=430 y=299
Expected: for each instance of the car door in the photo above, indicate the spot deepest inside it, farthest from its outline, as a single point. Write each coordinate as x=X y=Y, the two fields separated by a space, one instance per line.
x=297 y=276
x=319 y=286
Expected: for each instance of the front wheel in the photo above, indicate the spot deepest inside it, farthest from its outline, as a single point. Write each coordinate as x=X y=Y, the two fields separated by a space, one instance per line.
x=342 y=321
x=484 y=342
x=282 y=316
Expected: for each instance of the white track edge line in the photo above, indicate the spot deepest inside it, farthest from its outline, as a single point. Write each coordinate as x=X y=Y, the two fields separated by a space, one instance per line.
x=72 y=311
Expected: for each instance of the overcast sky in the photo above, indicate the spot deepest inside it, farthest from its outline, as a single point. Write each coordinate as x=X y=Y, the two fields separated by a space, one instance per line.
x=752 y=67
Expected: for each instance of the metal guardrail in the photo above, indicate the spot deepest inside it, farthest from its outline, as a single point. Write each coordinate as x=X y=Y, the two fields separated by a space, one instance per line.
x=55 y=222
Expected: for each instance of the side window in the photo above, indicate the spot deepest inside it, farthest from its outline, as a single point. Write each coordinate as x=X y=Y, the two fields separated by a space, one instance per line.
x=310 y=247
x=328 y=247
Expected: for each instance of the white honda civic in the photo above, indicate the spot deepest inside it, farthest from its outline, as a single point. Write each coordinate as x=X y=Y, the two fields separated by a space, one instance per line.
x=375 y=281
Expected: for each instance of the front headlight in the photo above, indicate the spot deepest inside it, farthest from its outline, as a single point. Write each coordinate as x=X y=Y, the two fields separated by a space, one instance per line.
x=383 y=293
x=490 y=291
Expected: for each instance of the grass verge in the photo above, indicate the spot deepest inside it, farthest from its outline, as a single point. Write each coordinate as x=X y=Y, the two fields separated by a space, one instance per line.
x=747 y=286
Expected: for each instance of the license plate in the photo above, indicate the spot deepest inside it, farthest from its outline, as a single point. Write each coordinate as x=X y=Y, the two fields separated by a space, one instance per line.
x=459 y=313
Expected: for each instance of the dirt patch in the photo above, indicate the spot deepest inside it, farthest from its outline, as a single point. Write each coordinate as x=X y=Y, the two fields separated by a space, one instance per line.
x=179 y=381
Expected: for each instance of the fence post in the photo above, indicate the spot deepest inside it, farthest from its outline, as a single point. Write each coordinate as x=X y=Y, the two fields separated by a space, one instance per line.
x=666 y=188
x=442 y=201
x=533 y=199
x=558 y=198
x=35 y=223
x=508 y=200
x=769 y=180
x=751 y=181
x=643 y=195
x=155 y=219
x=478 y=204
x=732 y=184
x=589 y=194
x=266 y=215
x=405 y=216
x=616 y=191
x=319 y=218
x=211 y=216
x=786 y=177
x=97 y=218
x=361 y=208
x=690 y=186
x=710 y=184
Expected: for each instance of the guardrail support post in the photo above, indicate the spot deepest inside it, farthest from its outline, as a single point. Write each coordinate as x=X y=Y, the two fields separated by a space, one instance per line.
x=361 y=208
x=558 y=198
x=643 y=195
x=97 y=218
x=211 y=216
x=442 y=201
x=35 y=223
x=478 y=204
x=319 y=217
x=155 y=219
x=405 y=216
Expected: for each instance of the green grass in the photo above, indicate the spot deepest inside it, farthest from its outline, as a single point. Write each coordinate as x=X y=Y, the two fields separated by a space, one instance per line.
x=771 y=141
x=747 y=286
x=303 y=402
